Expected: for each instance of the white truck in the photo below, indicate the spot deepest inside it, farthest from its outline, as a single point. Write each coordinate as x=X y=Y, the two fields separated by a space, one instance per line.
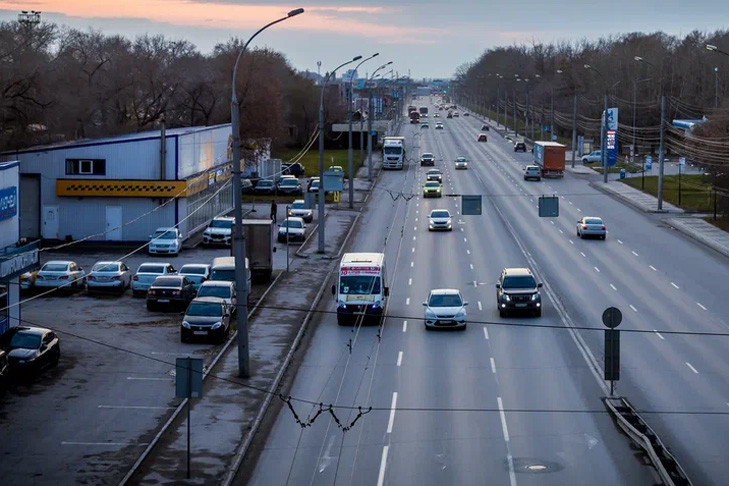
x=393 y=153
x=360 y=290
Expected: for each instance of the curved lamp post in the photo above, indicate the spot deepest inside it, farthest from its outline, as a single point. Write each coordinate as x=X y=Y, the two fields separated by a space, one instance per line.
x=370 y=112
x=239 y=244
x=603 y=132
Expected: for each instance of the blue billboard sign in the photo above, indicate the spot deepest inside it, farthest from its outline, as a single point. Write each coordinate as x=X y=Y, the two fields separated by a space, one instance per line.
x=612 y=147
x=8 y=202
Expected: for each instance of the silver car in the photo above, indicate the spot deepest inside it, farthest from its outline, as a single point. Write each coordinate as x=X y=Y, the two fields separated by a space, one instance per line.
x=461 y=163
x=197 y=273
x=147 y=273
x=104 y=276
x=440 y=220
x=298 y=208
x=590 y=226
x=60 y=273
x=445 y=308
x=533 y=172
x=222 y=290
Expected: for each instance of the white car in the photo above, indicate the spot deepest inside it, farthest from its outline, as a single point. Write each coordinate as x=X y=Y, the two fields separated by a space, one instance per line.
x=219 y=231
x=532 y=172
x=221 y=289
x=445 y=308
x=440 y=220
x=60 y=273
x=461 y=163
x=295 y=227
x=591 y=226
x=595 y=156
x=298 y=208
x=314 y=184
x=109 y=276
x=165 y=241
x=147 y=273
x=197 y=273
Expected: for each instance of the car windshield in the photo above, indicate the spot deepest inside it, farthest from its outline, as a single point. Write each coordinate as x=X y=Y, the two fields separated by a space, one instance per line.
x=289 y=223
x=25 y=340
x=461 y=159
x=440 y=214
x=151 y=269
x=393 y=150
x=314 y=183
x=214 y=291
x=519 y=282
x=193 y=269
x=265 y=183
x=211 y=309
x=167 y=282
x=221 y=223
x=165 y=235
x=432 y=184
x=223 y=274
x=427 y=155
x=105 y=267
x=593 y=221
x=298 y=205
x=445 y=300
x=55 y=267
x=359 y=285
x=289 y=182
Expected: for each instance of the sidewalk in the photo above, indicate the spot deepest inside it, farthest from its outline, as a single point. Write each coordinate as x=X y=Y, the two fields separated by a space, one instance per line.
x=702 y=231
x=635 y=197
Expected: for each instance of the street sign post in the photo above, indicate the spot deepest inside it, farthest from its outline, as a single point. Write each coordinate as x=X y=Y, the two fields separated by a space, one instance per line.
x=471 y=205
x=611 y=318
x=548 y=207
x=188 y=384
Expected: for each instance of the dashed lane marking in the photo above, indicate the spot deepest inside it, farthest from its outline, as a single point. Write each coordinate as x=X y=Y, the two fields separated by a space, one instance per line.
x=699 y=304
x=652 y=268
x=407 y=301
x=471 y=265
x=620 y=241
x=383 y=464
x=581 y=253
x=399 y=358
x=634 y=253
x=393 y=406
x=485 y=332
x=493 y=366
x=410 y=281
x=674 y=285
x=613 y=287
x=692 y=368
x=659 y=335
x=479 y=305
x=634 y=309
x=404 y=326
x=596 y=269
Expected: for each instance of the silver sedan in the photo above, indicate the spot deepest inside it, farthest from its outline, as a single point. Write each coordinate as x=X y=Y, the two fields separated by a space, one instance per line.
x=591 y=226
x=113 y=276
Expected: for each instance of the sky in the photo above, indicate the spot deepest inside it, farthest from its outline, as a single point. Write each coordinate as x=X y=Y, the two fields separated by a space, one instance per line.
x=425 y=38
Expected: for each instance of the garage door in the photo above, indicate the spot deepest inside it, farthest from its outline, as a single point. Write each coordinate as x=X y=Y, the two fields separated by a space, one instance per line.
x=30 y=205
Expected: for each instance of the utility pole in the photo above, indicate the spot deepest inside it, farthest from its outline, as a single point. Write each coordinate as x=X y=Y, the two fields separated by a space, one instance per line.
x=551 y=121
x=660 y=153
x=369 y=136
x=516 y=134
x=716 y=87
x=603 y=144
x=574 y=128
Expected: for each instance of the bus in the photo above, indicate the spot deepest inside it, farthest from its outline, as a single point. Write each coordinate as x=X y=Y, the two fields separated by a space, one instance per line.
x=361 y=291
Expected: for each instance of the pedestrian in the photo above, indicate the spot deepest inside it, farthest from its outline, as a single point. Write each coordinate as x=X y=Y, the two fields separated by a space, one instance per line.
x=274 y=210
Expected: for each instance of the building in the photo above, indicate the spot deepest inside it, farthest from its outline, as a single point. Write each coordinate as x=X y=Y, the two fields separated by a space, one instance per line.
x=122 y=188
x=16 y=257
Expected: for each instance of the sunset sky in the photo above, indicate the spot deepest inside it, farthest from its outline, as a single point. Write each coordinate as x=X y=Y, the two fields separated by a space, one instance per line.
x=429 y=38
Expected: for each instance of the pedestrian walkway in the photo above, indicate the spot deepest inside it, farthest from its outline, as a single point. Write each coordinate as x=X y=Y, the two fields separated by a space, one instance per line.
x=635 y=197
x=703 y=231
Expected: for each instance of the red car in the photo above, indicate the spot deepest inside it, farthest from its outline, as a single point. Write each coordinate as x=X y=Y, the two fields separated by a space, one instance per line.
x=482 y=137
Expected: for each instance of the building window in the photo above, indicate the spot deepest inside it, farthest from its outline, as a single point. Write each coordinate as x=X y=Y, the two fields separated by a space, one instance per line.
x=85 y=167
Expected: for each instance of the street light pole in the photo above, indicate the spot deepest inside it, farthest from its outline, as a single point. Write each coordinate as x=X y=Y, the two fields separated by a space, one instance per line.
x=662 y=130
x=239 y=244
x=320 y=215
x=603 y=131
x=369 y=124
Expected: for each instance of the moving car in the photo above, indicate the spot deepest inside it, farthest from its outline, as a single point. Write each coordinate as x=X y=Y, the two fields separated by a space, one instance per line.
x=518 y=290
x=465 y=113
x=450 y=115
x=445 y=308
x=219 y=231
x=170 y=291
x=434 y=175
x=109 y=276
x=165 y=241
x=424 y=125
x=519 y=147
x=439 y=126
x=30 y=349
x=455 y=114
x=440 y=220
x=197 y=273
x=594 y=156
x=437 y=115
x=295 y=169
x=298 y=208
x=591 y=226
x=205 y=317
x=264 y=186
x=427 y=159
x=60 y=273
x=432 y=189
x=293 y=229
x=289 y=186
x=147 y=273
x=532 y=172
x=461 y=163
x=485 y=128
x=482 y=137
x=222 y=290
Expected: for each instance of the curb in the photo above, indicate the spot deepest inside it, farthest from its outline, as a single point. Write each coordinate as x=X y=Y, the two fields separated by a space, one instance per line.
x=721 y=249
x=601 y=187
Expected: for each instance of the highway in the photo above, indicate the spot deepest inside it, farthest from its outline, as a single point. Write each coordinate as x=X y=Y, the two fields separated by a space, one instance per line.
x=511 y=400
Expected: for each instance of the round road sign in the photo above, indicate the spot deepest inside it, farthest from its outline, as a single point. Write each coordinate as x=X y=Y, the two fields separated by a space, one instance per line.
x=612 y=317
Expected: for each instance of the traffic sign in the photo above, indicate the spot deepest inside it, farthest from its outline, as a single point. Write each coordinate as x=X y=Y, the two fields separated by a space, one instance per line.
x=612 y=317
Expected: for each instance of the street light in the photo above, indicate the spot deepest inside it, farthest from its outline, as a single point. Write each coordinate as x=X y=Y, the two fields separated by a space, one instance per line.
x=551 y=123
x=370 y=111
x=713 y=48
x=321 y=152
x=350 y=162
x=603 y=132
x=239 y=244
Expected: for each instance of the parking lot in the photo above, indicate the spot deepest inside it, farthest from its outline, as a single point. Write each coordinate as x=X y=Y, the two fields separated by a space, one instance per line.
x=114 y=382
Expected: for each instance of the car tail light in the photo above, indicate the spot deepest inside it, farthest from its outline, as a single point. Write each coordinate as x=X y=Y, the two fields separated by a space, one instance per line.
x=584 y=226
x=151 y=291
x=603 y=227
x=90 y=277
x=135 y=278
x=63 y=277
x=117 y=277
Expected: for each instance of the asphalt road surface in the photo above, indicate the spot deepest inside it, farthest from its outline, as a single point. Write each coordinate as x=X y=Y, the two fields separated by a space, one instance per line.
x=512 y=400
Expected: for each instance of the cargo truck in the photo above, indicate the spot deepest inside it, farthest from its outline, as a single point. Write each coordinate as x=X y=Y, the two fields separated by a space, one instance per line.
x=550 y=157
x=393 y=152
x=258 y=234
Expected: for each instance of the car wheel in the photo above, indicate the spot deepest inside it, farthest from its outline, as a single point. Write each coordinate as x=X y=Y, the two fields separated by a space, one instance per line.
x=56 y=358
x=538 y=313
x=183 y=338
x=502 y=313
x=151 y=306
x=604 y=236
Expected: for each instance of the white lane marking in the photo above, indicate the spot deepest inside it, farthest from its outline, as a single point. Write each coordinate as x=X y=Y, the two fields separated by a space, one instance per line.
x=493 y=366
x=142 y=378
x=475 y=283
x=479 y=305
x=485 y=332
x=572 y=242
x=634 y=253
x=404 y=326
x=410 y=281
x=659 y=335
x=415 y=228
x=416 y=220
x=676 y=286
x=579 y=210
x=134 y=407
x=620 y=241
x=468 y=252
x=116 y=444
x=571 y=203
x=634 y=309
x=391 y=422
x=471 y=265
x=412 y=264
x=407 y=301
x=414 y=238
x=503 y=419
x=613 y=287
x=461 y=229
x=692 y=368
x=552 y=222
x=699 y=304
x=652 y=268
x=413 y=250
x=399 y=358
x=561 y=232
x=509 y=458
x=465 y=239
x=596 y=269
x=581 y=253
x=383 y=464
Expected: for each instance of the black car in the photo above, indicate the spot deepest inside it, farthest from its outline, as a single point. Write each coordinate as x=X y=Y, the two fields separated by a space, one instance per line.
x=295 y=169
x=4 y=371
x=206 y=317
x=519 y=147
x=264 y=186
x=289 y=186
x=518 y=290
x=30 y=349
x=170 y=291
x=485 y=128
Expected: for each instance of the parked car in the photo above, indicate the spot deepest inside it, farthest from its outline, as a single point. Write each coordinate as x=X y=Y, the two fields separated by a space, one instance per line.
x=170 y=291
x=465 y=113
x=434 y=175
x=264 y=186
x=114 y=276
x=30 y=349
x=590 y=226
x=205 y=317
x=427 y=158
x=219 y=231
x=147 y=273
x=246 y=186
x=520 y=147
x=298 y=208
x=461 y=163
x=167 y=241
x=197 y=273
x=432 y=189
x=532 y=172
x=27 y=280
x=295 y=169
x=314 y=184
x=594 y=156
x=445 y=308
x=518 y=290
x=289 y=186
x=440 y=220
x=4 y=371
x=222 y=290
x=482 y=137
x=292 y=228
x=60 y=274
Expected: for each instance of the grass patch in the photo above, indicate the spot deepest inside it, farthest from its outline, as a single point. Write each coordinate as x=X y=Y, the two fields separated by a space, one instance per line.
x=310 y=160
x=631 y=168
x=696 y=190
x=720 y=222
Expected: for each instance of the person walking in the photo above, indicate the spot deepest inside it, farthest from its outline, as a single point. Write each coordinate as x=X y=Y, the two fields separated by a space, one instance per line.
x=274 y=210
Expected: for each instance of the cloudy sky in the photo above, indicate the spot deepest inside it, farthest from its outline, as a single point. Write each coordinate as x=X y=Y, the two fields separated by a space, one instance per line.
x=428 y=38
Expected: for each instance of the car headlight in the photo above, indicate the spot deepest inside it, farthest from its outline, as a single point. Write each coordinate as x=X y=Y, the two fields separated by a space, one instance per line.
x=429 y=314
x=186 y=324
x=342 y=305
x=216 y=325
x=449 y=222
x=506 y=297
x=535 y=296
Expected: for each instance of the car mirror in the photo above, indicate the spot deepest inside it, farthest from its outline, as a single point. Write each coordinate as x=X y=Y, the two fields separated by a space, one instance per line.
x=334 y=290
x=425 y=304
x=465 y=304
x=387 y=291
x=498 y=285
x=539 y=285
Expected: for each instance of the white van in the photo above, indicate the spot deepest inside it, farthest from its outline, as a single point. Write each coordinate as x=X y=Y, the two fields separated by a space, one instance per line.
x=223 y=268
x=361 y=288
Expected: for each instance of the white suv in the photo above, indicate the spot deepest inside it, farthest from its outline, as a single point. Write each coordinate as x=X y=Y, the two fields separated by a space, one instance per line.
x=219 y=231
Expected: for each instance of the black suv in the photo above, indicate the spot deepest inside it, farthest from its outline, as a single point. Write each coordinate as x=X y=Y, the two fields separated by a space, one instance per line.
x=519 y=147
x=427 y=159
x=295 y=169
x=518 y=290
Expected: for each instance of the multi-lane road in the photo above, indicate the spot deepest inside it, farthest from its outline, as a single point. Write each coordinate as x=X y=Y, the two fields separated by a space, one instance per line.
x=513 y=400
